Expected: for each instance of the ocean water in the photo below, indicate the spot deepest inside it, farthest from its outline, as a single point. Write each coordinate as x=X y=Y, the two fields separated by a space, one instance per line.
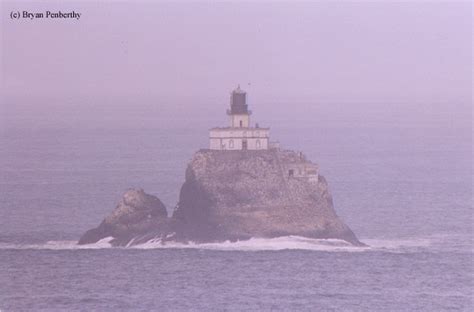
x=401 y=178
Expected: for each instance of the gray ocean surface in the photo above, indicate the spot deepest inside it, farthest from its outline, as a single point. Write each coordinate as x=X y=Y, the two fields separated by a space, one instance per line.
x=400 y=175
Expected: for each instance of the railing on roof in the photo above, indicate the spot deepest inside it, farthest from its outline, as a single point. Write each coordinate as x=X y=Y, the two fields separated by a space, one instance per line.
x=248 y=112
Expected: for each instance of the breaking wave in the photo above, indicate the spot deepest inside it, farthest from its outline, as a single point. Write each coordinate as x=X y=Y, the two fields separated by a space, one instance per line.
x=262 y=244
x=59 y=245
x=254 y=244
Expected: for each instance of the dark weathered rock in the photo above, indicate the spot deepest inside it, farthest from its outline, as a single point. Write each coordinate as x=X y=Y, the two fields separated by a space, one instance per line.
x=137 y=214
x=233 y=195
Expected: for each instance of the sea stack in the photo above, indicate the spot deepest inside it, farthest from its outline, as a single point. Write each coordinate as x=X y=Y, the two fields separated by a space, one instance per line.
x=242 y=186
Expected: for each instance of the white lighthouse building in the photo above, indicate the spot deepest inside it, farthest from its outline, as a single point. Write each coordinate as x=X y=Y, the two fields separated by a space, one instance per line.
x=239 y=135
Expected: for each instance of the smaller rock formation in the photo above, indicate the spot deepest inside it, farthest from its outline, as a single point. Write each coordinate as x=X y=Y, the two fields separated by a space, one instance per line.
x=136 y=215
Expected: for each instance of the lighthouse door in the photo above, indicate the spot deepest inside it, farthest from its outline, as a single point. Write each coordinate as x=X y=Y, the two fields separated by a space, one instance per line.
x=244 y=144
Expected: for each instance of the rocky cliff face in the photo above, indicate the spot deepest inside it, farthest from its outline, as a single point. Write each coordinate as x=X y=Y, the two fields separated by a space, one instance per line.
x=234 y=195
x=242 y=194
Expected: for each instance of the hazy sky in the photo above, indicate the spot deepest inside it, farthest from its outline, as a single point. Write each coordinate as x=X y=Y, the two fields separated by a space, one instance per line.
x=315 y=51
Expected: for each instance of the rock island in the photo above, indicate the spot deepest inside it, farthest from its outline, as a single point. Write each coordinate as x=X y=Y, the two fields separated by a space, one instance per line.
x=242 y=186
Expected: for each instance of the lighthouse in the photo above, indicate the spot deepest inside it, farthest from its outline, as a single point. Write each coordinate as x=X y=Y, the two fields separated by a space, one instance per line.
x=239 y=135
x=238 y=112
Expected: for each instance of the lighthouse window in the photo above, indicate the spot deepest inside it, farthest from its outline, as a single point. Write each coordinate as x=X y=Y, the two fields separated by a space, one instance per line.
x=231 y=144
x=291 y=172
x=241 y=123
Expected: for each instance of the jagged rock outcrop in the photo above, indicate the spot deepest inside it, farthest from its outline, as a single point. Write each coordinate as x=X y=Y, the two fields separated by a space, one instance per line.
x=234 y=195
x=267 y=193
x=137 y=215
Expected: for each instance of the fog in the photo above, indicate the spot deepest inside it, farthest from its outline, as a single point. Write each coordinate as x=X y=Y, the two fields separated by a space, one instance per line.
x=377 y=94
x=400 y=54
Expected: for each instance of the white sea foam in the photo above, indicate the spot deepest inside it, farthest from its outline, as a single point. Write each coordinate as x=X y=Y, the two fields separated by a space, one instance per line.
x=301 y=243
x=59 y=245
x=261 y=244
x=257 y=244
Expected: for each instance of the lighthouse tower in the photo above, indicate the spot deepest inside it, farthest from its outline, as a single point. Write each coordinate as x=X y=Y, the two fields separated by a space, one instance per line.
x=238 y=112
x=239 y=135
